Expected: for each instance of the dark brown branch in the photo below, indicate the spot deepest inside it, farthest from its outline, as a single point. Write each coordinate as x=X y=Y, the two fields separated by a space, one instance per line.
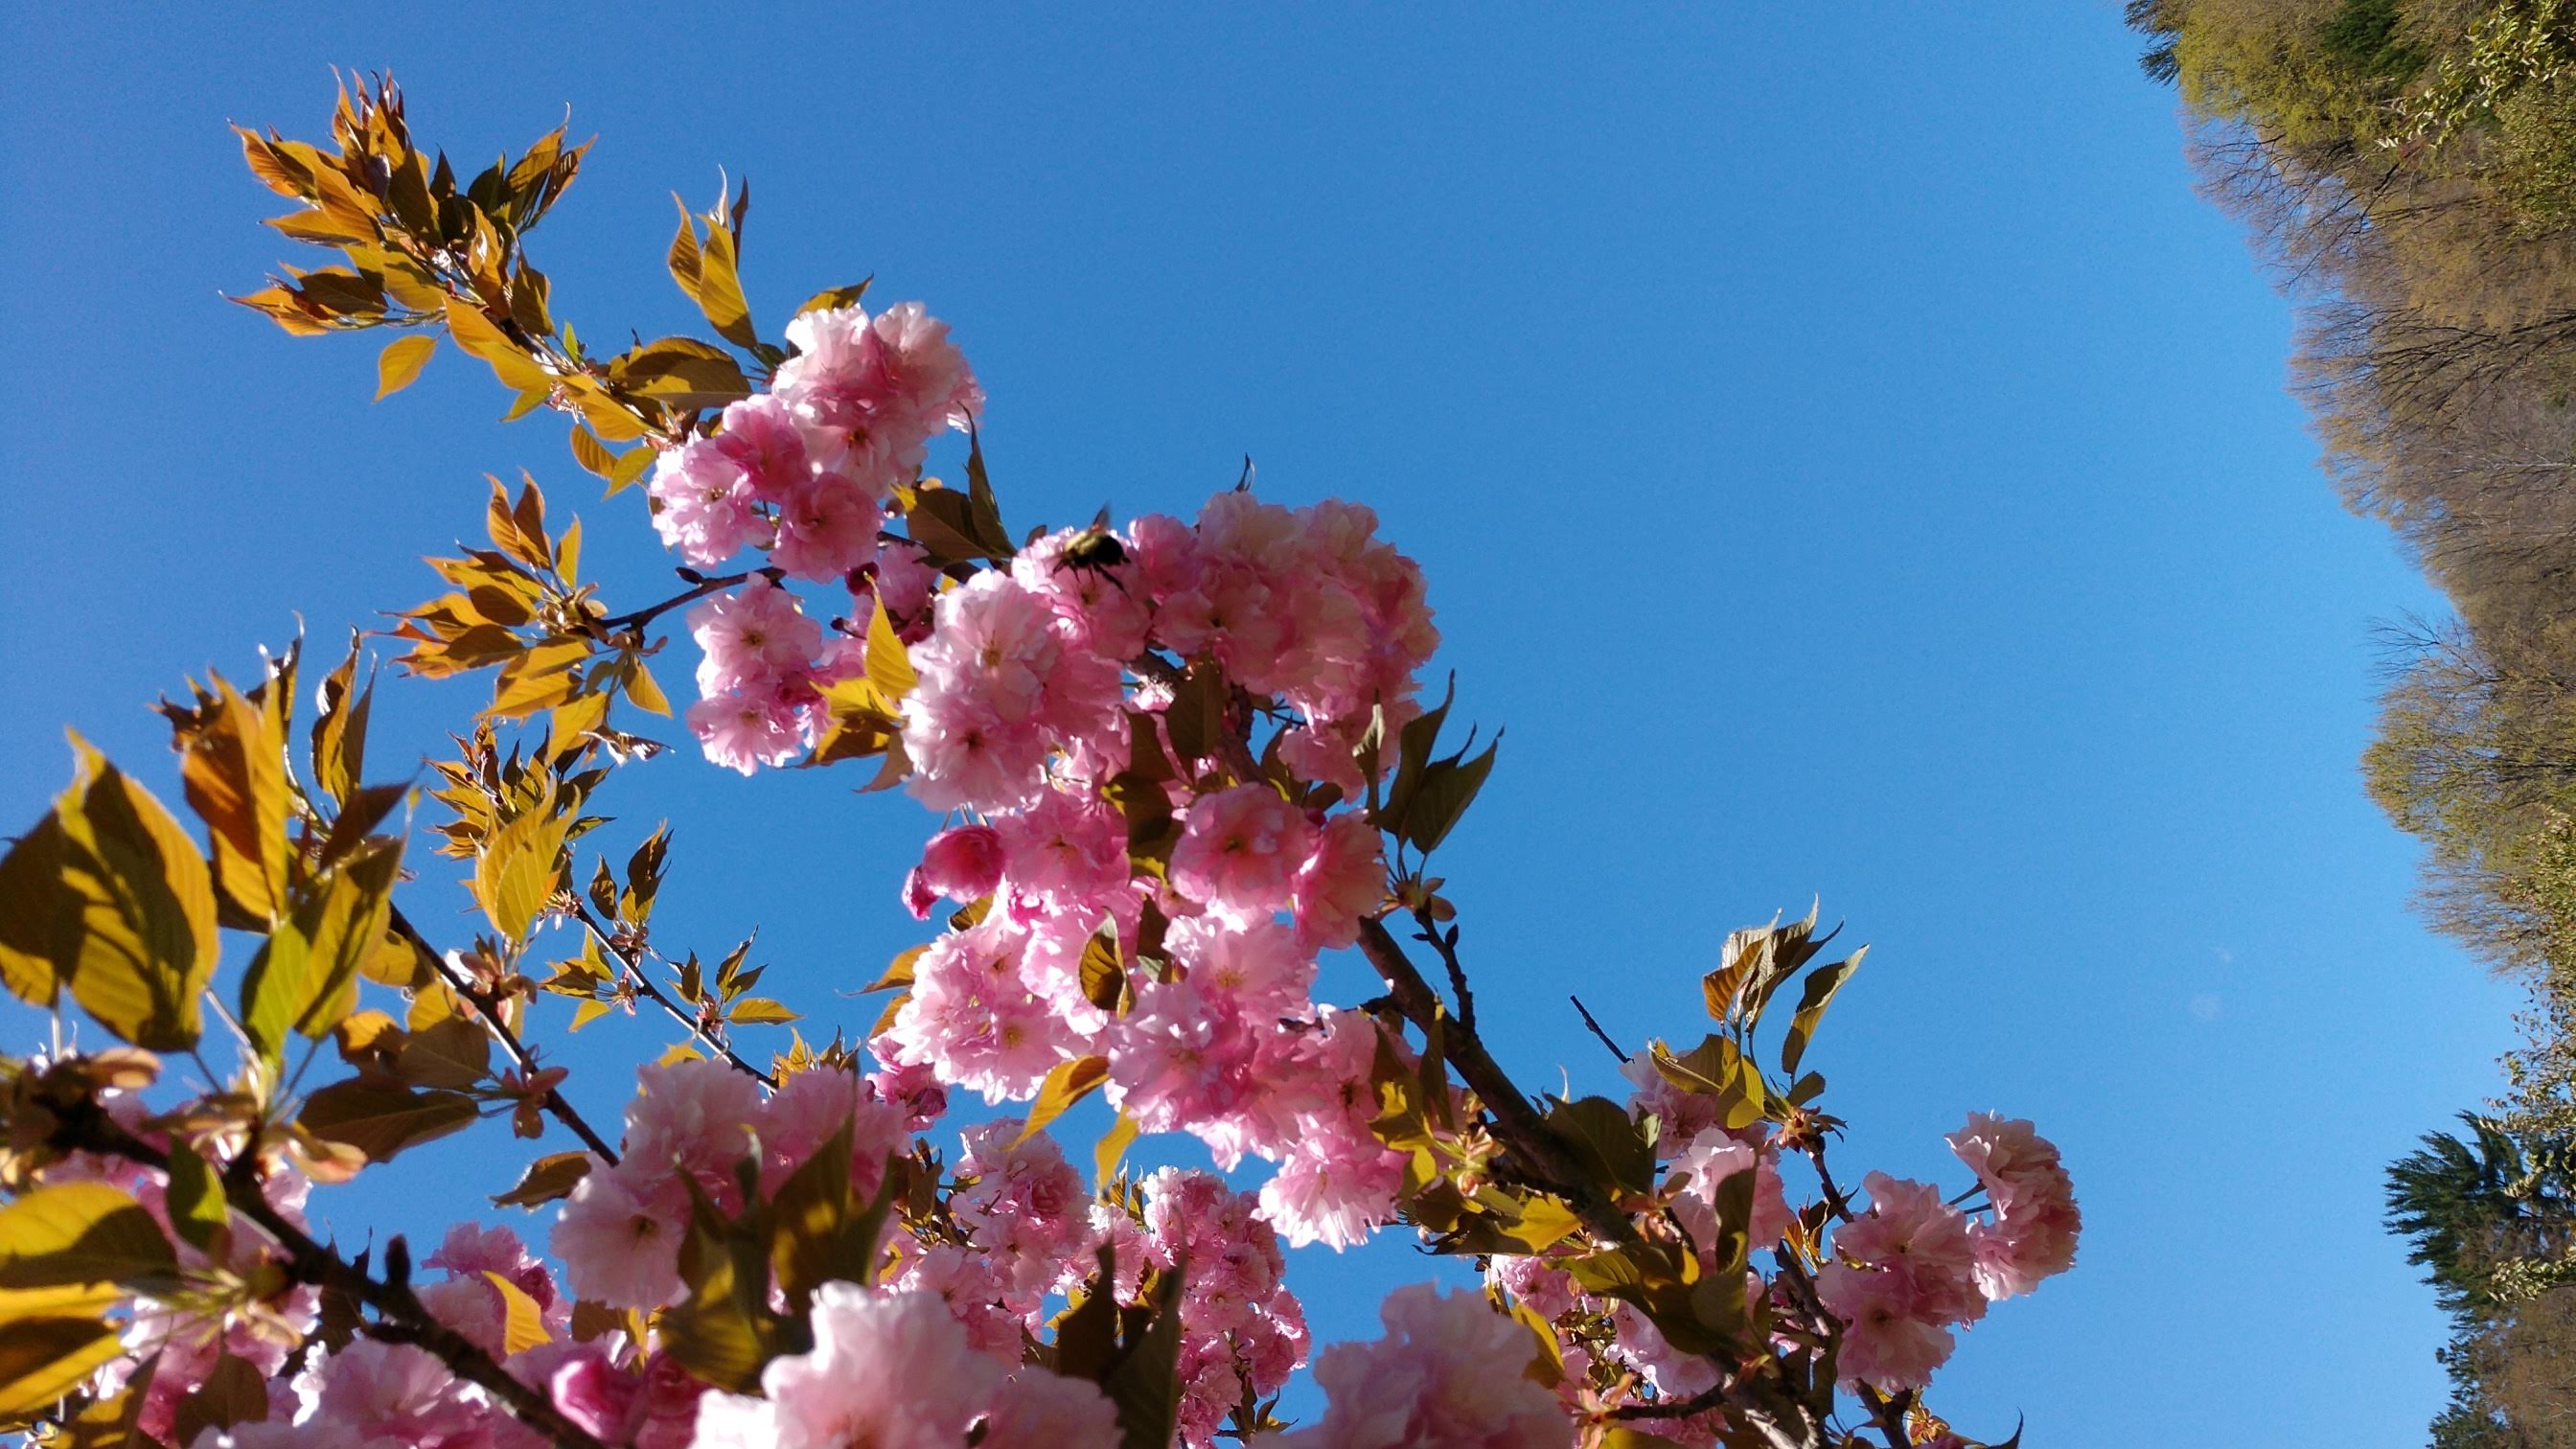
x=1516 y=1123
x=403 y=1319
x=1586 y=1013
x=1446 y=944
x=634 y=971
x=486 y=1006
x=651 y=612
x=1888 y=1411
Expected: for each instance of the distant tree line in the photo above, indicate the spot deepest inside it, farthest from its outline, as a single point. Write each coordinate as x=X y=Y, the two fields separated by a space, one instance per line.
x=2407 y=169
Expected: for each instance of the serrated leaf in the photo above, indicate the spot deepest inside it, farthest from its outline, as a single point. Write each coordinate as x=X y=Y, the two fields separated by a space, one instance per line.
x=592 y=454
x=646 y=695
x=760 y=1011
x=1447 y=788
x=399 y=365
x=479 y=337
x=233 y=773
x=339 y=735
x=833 y=298
x=1604 y=1137
x=519 y=866
x=452 y=1052
x=719 y=291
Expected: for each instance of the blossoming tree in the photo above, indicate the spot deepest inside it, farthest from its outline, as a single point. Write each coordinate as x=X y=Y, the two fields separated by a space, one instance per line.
x=1174 y=759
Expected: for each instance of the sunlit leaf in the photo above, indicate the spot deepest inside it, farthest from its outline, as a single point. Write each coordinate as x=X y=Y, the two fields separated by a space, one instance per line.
x=1069 y=1082
x=399 y=365
x=547 y=1179
x=82 y=1233
x=382 y=1121
x=523 y=1324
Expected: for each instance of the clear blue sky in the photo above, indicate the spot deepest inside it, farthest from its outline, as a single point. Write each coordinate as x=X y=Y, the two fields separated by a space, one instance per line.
x=1844 y=451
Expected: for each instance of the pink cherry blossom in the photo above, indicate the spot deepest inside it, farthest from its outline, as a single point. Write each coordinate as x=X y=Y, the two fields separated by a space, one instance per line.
x=892 y=1371
x=962 y=864
x=1447 y=1373
x=1342 y=883
x=1241 y=851
x=1069 y=850
x=973 y=1018
x=1712 y=1157
x=1036 y=1409
x=1891 y=1342
x=2036 y=1222
x=751 y=638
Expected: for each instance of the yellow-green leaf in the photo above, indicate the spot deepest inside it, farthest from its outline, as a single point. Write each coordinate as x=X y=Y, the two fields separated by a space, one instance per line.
x=340 y=728
x=720 y=290
x=42 y=1359
x=519 y=866
x=646 y=694
x=510 y=362
x=592 y=454
x=197 y=1207
x=399 y=365
x=39 y=914
x=1113 y=1146
x=146 y=909
x=1068 y=1083
x=234 y=773
x=82 y=1233
x=523 y=1324
x=548 y=1179
x=889 y=663
x=1814 y=996
x=305 y=979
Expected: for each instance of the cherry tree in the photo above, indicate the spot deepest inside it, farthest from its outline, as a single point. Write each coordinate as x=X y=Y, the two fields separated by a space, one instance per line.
x=1174 y=760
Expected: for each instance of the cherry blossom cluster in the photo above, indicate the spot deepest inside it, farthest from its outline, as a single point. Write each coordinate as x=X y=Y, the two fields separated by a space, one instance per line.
x=1020 y=1234
x=804 y=473
x=1899 y=1276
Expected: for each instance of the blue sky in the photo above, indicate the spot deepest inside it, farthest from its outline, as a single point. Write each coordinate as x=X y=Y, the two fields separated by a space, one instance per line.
x=1845 y=454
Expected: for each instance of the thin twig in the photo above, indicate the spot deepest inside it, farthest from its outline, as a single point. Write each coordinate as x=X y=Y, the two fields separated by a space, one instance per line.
x=1586 y=1013
x=634 y=971
x=651 y=612
x=487 y=1007
x=1447 y=946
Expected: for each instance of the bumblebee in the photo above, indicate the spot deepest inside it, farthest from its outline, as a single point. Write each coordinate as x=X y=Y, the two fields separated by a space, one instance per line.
x=1093 y=550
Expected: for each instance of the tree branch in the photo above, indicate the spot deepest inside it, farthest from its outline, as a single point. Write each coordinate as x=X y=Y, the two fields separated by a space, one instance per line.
x=555 y=1104
x=1586 y=1013
x=404 y=1320
x=651 y=612
x=634 y=971
x=1516 y=1124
